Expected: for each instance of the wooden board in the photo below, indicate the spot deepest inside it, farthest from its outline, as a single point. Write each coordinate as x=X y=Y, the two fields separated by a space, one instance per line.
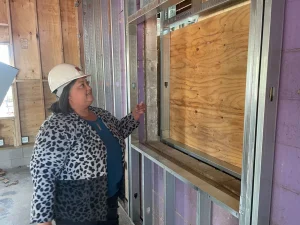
x=24 y=29
x=3 y=12
x=4 y=34
x=207 y=84
x=70 y=32
x=49 y=98
x=7 y=131
x=80 y=32
x=50 y=34
x=31 y=108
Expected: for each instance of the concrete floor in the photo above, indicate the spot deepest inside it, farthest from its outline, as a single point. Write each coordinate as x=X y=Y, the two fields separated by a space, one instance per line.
x=15 y=200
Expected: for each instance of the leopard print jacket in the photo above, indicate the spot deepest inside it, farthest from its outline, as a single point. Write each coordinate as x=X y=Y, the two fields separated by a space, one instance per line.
x=68 y=167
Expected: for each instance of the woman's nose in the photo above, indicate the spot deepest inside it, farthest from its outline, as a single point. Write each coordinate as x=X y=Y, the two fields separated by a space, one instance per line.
x=88 y=87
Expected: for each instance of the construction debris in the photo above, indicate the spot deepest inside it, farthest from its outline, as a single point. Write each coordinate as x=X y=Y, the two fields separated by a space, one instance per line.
x=5 y=181
x=2 y=173
x=13 y=183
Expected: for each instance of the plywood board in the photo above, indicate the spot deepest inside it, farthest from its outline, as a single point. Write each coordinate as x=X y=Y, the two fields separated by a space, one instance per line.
x=25 y=38
x=4 y=34
x=7 y=131
x=207 y=84
x=3 y=12
x=50 y=34
x=31 y=108
x=49 y=98
x=70 y=32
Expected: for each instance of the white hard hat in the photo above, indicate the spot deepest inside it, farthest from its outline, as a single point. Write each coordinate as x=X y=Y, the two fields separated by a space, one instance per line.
x=61 y=75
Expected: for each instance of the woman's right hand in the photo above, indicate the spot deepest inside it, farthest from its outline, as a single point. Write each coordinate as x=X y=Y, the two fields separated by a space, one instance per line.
x=47 y=223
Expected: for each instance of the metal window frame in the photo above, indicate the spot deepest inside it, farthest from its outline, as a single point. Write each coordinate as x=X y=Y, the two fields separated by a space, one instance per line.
x=166 y=25
x=260 y=119
x=264 y=62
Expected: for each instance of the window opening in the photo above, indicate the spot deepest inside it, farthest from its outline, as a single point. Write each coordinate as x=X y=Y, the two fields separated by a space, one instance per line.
x=7 y=106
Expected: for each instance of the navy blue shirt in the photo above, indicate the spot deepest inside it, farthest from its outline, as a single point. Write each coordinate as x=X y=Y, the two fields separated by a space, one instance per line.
x=114 y=156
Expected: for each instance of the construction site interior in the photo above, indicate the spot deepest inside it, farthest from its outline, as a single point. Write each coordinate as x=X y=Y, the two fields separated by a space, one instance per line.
x=219 y=143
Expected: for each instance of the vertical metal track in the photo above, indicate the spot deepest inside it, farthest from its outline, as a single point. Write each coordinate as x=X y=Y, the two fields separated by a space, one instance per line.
x=267 y=110
x=203 y=208
x=135 y=195
x=123 y=52
x=165 y=77
x=169 y=198
x=251 y=101
x=127 y=65
x=141 y=76
x=99 y=85
x=109 y=98
x=116 y=53
x=131 y=7
x=86 y=15
x=147 y=186
x=93 y=39
x=93 y=48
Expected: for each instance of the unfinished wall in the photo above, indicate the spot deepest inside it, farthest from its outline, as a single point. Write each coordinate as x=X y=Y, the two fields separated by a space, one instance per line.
x=7 y=125
x=286 y=182
x=207 y=83
x=103 y=32
x=103 y=45
x=222 y=217
x=43 y=34
x=158 y=195
x=185 y=203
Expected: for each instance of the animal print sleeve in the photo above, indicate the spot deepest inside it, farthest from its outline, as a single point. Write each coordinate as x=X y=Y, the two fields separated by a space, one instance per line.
x=47 y=160
x=126 y=125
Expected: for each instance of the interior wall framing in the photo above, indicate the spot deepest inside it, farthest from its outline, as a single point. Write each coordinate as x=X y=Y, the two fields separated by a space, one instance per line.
x=48 y=36
x=262 y=184
x=104 y=50
x=103 y=46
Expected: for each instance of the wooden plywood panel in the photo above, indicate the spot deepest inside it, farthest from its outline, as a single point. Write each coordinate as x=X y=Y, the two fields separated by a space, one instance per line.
x=70 y=32
x=24 y=29
x=3 y=12
x=50 y=34
x=31 y=108
x=4 y=34
x=49 y=98
x=207 y=84
x=7 y=131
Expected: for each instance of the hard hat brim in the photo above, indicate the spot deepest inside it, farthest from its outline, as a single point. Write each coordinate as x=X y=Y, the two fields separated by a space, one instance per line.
x=68 y=81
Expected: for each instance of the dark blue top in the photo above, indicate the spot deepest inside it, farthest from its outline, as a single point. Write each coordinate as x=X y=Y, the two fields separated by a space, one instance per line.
x=114 y=156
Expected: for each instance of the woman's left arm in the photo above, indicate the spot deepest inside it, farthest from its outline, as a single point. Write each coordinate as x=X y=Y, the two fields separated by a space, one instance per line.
x=130 y=122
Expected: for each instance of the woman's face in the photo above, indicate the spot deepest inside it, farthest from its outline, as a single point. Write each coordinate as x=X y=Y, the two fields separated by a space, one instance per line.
x=81 y=95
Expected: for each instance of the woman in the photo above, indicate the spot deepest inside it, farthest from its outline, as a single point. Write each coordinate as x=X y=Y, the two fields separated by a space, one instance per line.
x=78 y=162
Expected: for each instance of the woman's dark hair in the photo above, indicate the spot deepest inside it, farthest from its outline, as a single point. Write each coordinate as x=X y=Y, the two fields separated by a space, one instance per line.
x=63 y=105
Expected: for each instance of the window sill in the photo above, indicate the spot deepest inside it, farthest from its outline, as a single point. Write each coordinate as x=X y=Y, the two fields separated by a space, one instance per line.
x=221 y=187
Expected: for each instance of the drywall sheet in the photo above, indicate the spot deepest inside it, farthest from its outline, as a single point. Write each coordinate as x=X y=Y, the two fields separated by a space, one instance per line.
x=208 y=65
x=7 y=76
